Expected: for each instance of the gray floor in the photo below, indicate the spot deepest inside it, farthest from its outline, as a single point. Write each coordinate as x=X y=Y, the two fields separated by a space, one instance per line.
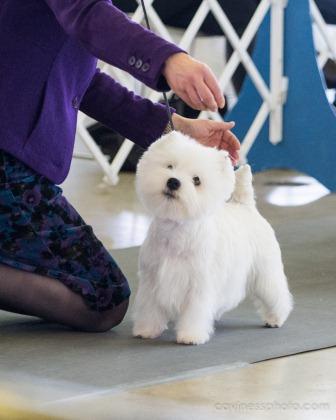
x=103 y=361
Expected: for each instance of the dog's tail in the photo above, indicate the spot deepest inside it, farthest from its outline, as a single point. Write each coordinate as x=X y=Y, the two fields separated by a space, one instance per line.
x=243 y=192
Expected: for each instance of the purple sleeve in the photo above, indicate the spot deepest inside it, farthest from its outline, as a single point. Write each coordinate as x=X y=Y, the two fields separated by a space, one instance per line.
x=134 y=117
x=111 y=36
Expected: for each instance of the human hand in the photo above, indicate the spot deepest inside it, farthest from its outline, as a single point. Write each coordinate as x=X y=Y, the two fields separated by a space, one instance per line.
x=194 y=82
x=210 y=133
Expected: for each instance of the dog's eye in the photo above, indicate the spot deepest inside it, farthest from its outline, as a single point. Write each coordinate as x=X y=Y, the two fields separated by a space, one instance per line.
x=170 y=166
x=196 y=181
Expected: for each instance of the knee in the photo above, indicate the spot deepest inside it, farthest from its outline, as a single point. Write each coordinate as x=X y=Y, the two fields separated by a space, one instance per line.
x=107 y=320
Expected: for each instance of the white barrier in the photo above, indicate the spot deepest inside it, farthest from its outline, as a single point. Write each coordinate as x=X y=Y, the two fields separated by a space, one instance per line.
x=274 y=96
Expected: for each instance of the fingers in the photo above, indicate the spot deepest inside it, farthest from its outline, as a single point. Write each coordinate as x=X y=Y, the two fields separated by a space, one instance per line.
x=213 y=85
x=233 y=151
x=222 y=125
x=231 y=140
x=232 y=145
x=186 y=76
x=199 y=97
x=185 y=96
x=195 y=100
x=206 y=96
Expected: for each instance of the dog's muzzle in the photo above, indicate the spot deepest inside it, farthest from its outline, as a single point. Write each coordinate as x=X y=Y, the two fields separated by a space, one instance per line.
x=169 y=194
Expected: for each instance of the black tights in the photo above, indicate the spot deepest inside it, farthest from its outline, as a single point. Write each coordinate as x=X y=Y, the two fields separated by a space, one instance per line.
x=31 y=294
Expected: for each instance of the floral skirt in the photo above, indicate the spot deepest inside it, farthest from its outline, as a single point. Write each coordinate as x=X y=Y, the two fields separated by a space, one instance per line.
x=41 y=232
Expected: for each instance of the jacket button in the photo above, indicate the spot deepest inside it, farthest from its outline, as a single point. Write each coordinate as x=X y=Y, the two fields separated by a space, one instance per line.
x=138 y=64
x=132 y=60
x=75 y=102
x=145 y=67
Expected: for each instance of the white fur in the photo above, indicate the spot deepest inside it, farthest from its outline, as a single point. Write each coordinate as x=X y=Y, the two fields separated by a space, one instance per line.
x=207 y=248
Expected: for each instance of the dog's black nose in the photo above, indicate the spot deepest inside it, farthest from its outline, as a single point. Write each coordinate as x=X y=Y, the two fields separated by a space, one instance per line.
x=173 y=184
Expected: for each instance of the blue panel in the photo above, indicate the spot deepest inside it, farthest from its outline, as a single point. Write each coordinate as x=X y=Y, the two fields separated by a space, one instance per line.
x=309 y=142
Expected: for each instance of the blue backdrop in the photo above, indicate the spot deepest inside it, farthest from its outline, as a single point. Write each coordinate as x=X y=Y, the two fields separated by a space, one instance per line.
x=309 y=140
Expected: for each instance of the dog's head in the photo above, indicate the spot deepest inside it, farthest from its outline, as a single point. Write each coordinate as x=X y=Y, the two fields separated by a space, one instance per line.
x=179 y=179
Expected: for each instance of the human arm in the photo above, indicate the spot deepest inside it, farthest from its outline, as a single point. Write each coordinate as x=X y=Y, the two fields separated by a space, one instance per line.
x=134 y=117
x=142 y=121
x=108 y=34
x=111 y=36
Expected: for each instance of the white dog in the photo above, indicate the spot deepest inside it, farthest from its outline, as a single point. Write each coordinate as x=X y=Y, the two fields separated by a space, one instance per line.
x=207 y=247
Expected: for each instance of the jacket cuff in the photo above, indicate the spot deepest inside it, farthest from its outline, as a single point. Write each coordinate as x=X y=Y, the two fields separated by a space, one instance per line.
x=151 y=71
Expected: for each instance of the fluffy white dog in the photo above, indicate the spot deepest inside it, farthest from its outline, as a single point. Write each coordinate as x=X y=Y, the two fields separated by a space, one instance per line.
x=207 y=247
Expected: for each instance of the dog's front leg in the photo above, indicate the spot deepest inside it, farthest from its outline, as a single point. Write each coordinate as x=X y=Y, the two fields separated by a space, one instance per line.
x=196 y=321
x=150 y=320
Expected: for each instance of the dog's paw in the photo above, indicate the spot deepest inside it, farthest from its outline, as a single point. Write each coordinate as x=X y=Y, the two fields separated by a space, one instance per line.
x=147 y=332
x=267 y=325
x=273 y=322
x=276 y=320
x=189 y=337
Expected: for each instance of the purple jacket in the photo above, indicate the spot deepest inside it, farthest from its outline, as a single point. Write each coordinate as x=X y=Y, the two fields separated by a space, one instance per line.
x=48 y=58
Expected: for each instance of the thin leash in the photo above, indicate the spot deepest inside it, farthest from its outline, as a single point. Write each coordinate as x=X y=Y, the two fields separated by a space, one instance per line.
x=164 y=93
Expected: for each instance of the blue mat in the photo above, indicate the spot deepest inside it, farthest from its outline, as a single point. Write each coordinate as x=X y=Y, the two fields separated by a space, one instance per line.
x=114 y=359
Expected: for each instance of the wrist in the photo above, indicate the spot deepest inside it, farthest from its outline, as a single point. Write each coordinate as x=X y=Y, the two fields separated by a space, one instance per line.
x=170 y=62
x=179 y=122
